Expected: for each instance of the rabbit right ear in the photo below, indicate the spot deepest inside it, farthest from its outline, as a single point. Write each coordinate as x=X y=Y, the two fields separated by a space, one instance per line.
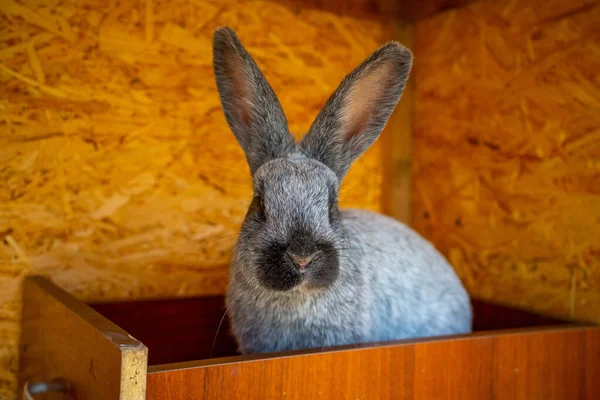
x=359 y=109
x=251 y=107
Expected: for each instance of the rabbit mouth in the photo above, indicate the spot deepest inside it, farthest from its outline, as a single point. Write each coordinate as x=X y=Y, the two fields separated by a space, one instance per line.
x=283 y=270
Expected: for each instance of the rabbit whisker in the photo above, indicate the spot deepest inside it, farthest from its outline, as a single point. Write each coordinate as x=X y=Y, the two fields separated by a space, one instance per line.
x=376 y=231
x=370 y=263
x=370 y=248
x=218 y=329
x=242 y=333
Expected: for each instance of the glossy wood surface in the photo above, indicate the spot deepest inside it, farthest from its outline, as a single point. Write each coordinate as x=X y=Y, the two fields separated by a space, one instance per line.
x=556 y=363
x=63 y=337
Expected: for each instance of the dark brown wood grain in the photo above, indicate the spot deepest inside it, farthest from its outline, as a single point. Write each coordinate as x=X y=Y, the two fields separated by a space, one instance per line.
x=177 y=330
x=552 y=363
x=492 y=317
x=408 y=10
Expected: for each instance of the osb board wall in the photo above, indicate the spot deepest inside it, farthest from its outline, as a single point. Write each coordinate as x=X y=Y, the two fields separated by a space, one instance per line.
x=507 y=150
x=120 y=178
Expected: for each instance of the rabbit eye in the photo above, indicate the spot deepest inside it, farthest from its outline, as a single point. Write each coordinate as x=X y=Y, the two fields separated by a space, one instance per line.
x=259 y=203
x=332 y=210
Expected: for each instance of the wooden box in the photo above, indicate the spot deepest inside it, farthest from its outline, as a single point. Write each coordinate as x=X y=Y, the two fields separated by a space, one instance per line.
x=170 y=350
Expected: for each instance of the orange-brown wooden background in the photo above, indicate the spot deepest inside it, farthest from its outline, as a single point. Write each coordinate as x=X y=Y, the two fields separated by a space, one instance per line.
x=120 y=179
x=506 y=156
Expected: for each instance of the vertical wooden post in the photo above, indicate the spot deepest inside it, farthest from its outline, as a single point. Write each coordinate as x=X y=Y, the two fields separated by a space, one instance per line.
x=397 y=148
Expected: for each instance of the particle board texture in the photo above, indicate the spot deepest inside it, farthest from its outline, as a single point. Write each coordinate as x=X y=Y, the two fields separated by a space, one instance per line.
x=507 y=150
x=120 y=178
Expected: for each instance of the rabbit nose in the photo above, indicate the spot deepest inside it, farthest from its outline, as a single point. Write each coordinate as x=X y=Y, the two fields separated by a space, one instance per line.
x=302 y=261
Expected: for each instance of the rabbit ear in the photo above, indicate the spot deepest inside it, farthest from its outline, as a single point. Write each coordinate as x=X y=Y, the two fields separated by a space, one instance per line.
x=251 y=107
x=356 y=113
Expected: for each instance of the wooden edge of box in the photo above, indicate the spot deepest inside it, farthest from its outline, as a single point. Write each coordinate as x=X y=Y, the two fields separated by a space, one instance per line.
x=554 y=364
x=369 y=346
x=113 y=332
x=132 y=354
x=134 y=366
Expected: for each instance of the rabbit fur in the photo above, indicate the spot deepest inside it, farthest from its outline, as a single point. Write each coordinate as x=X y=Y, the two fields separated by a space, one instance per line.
x=304 y=273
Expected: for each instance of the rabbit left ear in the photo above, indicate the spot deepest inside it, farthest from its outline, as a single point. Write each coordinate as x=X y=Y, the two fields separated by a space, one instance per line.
x=356 y=113
x=251 y=107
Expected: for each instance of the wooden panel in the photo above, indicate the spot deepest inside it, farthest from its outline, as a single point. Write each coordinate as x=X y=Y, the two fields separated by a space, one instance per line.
x=544 y=364
x=177 y=330
x=62 y=337
x=507 y=149
x=407 y=10
x=120 y=178
x=490 y=317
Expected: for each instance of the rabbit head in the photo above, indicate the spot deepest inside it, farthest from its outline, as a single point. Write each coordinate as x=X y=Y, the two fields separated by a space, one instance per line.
x=292 y=237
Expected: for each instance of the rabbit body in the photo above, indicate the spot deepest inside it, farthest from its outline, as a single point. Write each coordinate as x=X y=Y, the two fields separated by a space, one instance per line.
x=305 y=274
x=395 y=286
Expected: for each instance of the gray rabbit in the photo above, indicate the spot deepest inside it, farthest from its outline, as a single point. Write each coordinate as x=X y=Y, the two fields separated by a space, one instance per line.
x=305 y=274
